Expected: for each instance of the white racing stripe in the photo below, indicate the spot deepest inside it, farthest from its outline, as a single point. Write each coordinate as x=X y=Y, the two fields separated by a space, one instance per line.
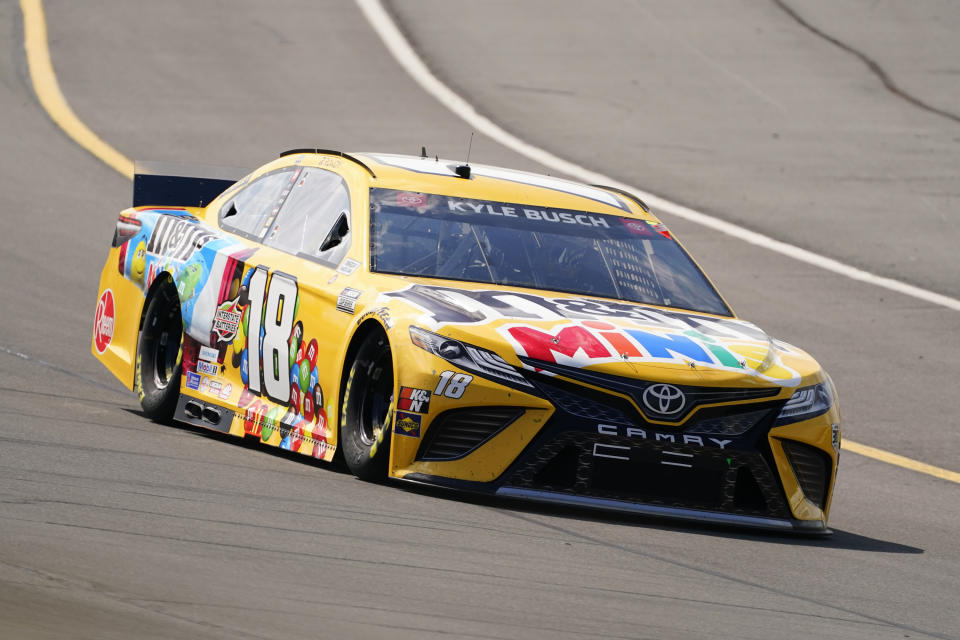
x=401 y=50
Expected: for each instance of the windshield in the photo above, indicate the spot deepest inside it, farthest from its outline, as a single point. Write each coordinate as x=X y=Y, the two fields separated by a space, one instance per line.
x=437 y=236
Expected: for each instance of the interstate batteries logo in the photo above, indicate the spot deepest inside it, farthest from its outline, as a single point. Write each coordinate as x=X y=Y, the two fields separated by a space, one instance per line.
x=103 y=322
x=226 y=321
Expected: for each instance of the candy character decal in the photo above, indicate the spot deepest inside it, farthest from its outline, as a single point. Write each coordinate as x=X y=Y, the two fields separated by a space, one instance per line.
x=277 y=363
x=138 y=266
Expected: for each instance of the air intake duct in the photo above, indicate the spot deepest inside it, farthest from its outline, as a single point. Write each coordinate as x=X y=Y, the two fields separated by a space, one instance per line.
x=455 y=433
x=811 y=466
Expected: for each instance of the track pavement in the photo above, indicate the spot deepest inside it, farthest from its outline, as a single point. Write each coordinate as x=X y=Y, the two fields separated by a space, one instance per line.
x=114 y=527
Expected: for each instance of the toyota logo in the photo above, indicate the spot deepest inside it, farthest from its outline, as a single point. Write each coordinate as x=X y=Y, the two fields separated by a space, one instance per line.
x=664 y=399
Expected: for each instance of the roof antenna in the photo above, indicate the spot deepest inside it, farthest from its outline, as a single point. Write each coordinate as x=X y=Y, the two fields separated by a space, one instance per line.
x=463 y=170
x=423 y=152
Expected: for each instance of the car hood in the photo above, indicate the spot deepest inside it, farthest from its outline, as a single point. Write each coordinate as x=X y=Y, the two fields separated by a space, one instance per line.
x=621 y=338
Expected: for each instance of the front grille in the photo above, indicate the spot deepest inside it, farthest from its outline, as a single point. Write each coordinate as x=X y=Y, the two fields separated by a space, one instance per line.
x=572 y=399
x=583 y=402
x=634 y=388
x=811 y=466
x=729 y=425
x=455 y=433
x=652 y=472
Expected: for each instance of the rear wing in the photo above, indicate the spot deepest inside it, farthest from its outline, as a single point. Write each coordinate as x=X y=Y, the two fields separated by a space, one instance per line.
x=167 y=184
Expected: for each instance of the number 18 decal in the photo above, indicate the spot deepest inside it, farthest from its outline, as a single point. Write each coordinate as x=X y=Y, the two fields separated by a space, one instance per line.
x=273 y=310
x=452 y=385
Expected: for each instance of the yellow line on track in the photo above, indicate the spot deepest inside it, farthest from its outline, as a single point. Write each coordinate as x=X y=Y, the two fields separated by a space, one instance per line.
x=900 y=461
x=48 y=91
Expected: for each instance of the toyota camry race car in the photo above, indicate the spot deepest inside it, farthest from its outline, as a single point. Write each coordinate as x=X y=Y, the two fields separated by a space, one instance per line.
x=472 y=327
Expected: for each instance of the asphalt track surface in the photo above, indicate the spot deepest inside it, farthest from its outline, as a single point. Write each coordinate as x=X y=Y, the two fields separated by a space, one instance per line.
x=832 y=126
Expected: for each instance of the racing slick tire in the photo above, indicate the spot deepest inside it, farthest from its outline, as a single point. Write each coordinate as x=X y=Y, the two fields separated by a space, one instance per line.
x=157 y=375
x=368 y=409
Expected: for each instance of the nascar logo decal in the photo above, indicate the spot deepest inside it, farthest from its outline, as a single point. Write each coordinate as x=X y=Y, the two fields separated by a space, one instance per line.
x=412 y=399
x=407 y=424
x=103 y=321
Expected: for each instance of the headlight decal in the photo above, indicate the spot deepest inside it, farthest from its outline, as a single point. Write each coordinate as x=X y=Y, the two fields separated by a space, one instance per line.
x=468 y=357
x=807 y=402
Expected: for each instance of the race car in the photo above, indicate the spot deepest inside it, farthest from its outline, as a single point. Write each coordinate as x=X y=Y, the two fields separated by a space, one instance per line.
x=466 y=326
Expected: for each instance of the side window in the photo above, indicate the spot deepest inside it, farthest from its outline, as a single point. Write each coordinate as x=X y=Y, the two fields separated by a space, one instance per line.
x=252 y=209
x=315 y=219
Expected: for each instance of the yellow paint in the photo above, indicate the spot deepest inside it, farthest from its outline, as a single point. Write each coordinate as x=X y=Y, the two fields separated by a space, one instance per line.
x=900 y=461
x=120 y=355
x=48 y=91
x=815 y=433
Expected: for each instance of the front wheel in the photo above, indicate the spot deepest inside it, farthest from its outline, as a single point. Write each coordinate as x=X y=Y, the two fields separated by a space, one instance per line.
x=157 y=377
x=367 y=410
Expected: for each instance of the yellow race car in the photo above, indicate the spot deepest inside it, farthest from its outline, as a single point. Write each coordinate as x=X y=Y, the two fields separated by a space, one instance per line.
x=467 y=326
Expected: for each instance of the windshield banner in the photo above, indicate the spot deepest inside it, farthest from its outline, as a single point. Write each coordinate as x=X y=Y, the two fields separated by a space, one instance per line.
x=504 y=214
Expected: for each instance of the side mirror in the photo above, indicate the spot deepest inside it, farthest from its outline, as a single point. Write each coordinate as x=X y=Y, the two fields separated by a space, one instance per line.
x=336 y=234
x=232 y=211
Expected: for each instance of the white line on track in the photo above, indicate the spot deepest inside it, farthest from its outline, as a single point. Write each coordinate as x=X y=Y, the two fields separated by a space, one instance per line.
x=404 y=54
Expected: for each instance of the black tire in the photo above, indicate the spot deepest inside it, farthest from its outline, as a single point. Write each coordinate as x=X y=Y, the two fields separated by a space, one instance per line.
x=157 y=376
x=367 y=410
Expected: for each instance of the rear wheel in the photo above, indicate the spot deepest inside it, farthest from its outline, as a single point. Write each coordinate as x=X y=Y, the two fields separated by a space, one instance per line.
x=367 y=414
x=157 y=377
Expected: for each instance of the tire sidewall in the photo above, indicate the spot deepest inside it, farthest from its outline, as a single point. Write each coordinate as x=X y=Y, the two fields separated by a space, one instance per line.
x=158 y=403
x=366 y=461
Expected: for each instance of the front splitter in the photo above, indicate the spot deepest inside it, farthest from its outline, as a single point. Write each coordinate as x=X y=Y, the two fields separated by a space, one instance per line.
x=693 y=515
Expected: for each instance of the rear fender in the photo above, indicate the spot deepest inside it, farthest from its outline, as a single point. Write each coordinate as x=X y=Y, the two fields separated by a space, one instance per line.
x=117 y=321
x=148 y=243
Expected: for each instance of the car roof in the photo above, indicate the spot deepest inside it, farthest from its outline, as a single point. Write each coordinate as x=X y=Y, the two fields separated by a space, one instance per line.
x=486 y=182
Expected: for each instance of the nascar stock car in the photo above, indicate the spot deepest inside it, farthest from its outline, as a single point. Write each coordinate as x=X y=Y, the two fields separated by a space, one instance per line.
x=471 y=327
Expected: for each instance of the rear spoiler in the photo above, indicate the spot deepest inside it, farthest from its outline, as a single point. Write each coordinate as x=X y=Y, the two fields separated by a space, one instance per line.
x=166 y=184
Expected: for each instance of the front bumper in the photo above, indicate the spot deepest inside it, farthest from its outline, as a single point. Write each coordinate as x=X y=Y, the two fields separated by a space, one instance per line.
x=726 y=463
